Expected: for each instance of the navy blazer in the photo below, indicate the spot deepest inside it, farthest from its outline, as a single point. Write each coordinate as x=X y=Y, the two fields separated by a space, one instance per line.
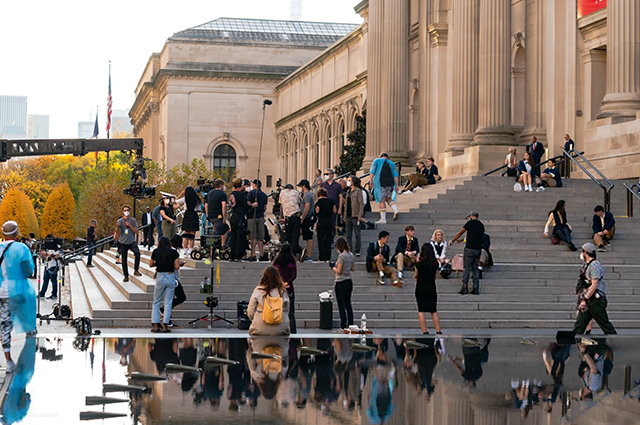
x=609 y=222
x=401 y=246
x=537 y=153
x=373 y=250
x=568 y=145
x=523 y=168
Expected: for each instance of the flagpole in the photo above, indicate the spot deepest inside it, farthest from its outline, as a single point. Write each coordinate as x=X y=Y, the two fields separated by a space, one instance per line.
x=109 y=100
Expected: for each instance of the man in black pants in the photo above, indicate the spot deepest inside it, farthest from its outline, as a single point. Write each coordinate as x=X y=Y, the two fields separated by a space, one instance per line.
x=147 y=220
x=239 y=208
x=126 y=231
x=593 y=298
x=537 y=152
x=472 y=252
x=290 y=216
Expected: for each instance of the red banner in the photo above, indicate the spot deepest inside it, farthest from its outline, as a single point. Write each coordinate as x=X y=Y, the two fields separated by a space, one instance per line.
x=589 y=6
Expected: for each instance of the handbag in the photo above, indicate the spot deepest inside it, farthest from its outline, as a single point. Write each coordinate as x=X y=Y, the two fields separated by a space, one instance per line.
x=457 y=262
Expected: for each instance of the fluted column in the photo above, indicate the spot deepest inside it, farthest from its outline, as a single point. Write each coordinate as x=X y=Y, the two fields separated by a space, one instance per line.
x=489 y=416
x=534 y=124
x=623 y=59
x=494 y=74
x=374 y=79
x=395 y=110
x=465 y=73
x=457 y=407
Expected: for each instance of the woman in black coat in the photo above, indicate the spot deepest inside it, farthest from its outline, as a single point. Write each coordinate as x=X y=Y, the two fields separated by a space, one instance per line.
x=426 y=294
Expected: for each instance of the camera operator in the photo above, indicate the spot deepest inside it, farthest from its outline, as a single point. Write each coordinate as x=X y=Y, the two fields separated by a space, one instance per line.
x=91 y=241
x=239 y=208
x=51 y=261
x=125 y=235
x=216 y=209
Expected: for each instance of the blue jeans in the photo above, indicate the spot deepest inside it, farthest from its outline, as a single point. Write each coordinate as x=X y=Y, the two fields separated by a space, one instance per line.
x=92 y=252
x=159 y=227
x=165 y=285
x=45 y=283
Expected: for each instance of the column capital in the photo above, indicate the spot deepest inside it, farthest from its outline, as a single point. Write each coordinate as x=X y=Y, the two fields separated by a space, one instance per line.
x=439 y=33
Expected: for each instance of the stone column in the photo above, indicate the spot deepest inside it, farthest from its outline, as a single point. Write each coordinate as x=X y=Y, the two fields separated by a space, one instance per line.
x=457 y=407
x=395 y=112
x=623 y=59
x=465 y=73
x=374 y=80
x=494 y=127
x=534 y=113
x=489 y=416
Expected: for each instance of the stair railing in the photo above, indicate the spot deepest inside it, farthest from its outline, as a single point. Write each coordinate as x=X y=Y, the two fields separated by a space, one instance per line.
x=558 y=159
x=632 y=191
x=102 y=242
x=572 y=155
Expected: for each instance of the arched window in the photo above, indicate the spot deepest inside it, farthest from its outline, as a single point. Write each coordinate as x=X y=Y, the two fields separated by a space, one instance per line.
x=224 y=161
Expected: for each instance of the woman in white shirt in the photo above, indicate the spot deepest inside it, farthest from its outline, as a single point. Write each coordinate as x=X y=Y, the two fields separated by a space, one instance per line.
x=439 y=245
x=524 y=172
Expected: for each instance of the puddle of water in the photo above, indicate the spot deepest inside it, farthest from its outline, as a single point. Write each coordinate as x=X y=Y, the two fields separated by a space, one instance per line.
x=322 y=381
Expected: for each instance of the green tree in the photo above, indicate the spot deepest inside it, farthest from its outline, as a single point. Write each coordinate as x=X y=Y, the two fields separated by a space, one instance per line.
x=354 y=152
x=57 y=217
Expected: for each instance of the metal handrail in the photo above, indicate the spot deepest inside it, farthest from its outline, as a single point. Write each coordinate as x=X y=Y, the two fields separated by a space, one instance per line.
x=630 y=194
x=539 y=164
x=607 y=190
x=398 y=165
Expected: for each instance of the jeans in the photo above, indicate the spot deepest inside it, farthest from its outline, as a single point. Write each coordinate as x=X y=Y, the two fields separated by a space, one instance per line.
x=148 y=236
x=159 y=229
x=165 y=285
x=45 y=283
x=123 y=249
x=597 y=310
x=292 y=229
x=325 y=238
x=238 y=237
x=92 y=252
x=471 y=258
x=352 y=224
x=343 y=296
x=563 y=234
x=292 y=312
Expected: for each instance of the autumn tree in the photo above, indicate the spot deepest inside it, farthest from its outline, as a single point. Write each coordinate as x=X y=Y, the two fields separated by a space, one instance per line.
x=57 y=217
x=17 y=206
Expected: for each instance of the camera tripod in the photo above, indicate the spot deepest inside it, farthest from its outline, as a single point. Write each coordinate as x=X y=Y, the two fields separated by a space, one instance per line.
x=211 y=302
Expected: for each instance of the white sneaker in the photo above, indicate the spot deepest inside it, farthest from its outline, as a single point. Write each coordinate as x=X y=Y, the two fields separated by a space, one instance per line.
x=407 y=192
x=10 y=366
x=381 y=221
x=540 y=189
x=399 y=275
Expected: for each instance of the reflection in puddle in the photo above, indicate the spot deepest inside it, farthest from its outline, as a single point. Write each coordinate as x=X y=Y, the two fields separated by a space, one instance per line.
x=271 y=380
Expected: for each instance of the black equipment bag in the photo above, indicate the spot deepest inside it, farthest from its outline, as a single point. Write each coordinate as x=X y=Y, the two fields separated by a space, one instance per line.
x=326 y=315
x=61 y=310
x=243 y=319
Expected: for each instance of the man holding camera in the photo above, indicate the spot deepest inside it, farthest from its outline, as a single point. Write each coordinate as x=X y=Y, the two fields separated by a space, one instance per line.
x=126 y=230
x=592 y=297
x=51 y=261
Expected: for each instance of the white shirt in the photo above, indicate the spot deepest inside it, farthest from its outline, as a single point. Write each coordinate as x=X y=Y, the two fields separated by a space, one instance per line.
x=443 y=244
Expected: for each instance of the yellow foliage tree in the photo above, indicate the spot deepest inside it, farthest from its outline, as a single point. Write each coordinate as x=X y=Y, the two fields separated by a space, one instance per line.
x=57 y=217
x=17 y=206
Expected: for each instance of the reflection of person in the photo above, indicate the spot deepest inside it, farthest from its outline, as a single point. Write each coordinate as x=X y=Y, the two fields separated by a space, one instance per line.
x=17 y=296
x=420 y=365
x=17 y=401
x=559 y=355
x=163 y=351
x=268 y=373
x=474 y=355
x=596 y=364
x=381 y=398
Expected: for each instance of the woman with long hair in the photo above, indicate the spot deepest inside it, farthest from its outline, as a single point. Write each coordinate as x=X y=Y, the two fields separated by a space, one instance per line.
x=285 y=262
x=343 y=281
x=190 y=221
x=166 y=260
x=271 y=285
x=525 y=172
x=426 y=267
x=353 y=210
x=561 y=228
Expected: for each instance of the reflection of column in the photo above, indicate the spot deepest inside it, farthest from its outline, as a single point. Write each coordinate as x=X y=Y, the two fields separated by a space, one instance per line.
x=492 y=416
x=396 y=77
x=458 y=407
x=623 y=59
x=374 y=80
x=494 y=74
x=465 y=73
x=534 y=74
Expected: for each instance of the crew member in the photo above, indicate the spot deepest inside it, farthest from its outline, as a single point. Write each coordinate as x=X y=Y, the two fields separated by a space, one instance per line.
x=125 y=235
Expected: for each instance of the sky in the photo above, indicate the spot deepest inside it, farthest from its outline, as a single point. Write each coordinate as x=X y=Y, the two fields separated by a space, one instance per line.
x=57 y=53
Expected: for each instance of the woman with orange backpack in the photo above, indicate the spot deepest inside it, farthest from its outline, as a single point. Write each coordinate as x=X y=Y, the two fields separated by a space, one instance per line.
x=269 y=305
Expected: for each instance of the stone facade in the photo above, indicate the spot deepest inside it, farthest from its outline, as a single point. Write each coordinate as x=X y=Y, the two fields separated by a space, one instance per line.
x=463 y=80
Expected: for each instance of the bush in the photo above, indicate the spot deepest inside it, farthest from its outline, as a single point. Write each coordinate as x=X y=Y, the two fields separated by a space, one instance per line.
x=57 y=217
x=17 y=206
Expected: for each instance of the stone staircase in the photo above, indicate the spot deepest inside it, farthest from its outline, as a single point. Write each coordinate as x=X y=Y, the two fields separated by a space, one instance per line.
x=531 y=285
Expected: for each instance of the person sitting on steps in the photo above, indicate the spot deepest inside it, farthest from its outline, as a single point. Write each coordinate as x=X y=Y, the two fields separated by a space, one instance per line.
x=407 y=246
x=550 y=176
x=424 y=175
x=524 y=173
x=378 y=258
x=561 y=228
x=604 y=227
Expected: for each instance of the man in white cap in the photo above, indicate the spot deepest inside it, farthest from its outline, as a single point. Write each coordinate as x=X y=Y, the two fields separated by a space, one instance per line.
x=16 y=265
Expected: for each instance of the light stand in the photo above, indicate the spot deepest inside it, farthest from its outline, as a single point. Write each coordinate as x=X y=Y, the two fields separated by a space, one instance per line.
x=211 y=302
x=255 y=222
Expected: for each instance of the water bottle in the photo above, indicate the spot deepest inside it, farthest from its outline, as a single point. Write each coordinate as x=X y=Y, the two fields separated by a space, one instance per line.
x=363 y=322
x=205 y=286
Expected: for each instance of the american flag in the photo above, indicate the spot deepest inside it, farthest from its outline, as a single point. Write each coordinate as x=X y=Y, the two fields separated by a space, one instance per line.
x=109 y=102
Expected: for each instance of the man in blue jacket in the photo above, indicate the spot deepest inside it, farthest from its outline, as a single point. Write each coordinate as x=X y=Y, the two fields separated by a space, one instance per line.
x=385 y=178
x=604 y=227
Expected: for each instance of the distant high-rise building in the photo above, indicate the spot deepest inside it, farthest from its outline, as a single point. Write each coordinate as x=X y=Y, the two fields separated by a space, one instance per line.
x=38 y=126
x=85 y=129
x=296 y=10
x=121 y=123
x=13 y=117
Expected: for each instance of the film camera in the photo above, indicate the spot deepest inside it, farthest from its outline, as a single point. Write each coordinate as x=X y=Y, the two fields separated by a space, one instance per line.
x=138 y=188
x=204 y=185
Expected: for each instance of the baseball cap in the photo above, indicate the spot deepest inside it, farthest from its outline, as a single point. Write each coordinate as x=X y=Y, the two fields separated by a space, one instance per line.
x=473 y=214
x=246 y=182
x=10 y=228
x=589 y=247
